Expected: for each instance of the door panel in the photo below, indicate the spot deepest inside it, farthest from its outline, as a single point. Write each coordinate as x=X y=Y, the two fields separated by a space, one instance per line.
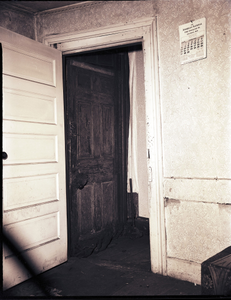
x=33 y=231
x=28 y=107
x=94 y=137
x=28 y=65
x=39 y=148
x=108 y=129
x=39 y=189
x=34 y=193
x=95 y=141
x=86 y=208
x=109 y=208
x=84 y=119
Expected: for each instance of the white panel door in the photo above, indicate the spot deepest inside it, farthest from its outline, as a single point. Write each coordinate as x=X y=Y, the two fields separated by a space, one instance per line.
x=34 y=184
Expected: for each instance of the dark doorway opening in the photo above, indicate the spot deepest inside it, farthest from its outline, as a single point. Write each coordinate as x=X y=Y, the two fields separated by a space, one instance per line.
x=96 y=123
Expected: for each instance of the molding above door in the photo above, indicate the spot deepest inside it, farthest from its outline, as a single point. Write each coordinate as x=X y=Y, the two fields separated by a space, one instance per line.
x=144 y=31
x=109 y=36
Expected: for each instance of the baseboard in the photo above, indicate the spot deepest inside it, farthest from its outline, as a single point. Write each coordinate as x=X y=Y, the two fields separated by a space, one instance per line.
x=184 y=270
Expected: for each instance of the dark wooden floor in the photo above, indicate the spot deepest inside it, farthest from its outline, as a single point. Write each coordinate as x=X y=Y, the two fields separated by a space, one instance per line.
x=123 y=269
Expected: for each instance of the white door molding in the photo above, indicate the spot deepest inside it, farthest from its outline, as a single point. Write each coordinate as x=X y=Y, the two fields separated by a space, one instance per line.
x=145 y=31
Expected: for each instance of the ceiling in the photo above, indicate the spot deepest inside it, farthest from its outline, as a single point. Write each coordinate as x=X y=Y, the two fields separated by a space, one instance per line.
x=38 y=6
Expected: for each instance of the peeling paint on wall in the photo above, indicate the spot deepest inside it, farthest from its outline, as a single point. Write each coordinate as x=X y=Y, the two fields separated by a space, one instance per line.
x=197 y=231
x=17 y=20
x=203 y=190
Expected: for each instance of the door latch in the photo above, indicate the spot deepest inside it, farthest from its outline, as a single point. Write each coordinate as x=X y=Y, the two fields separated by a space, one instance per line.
x=4 y=155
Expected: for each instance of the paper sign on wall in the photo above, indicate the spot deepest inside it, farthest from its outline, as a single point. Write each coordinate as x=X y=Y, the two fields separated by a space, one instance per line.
x=193 y=41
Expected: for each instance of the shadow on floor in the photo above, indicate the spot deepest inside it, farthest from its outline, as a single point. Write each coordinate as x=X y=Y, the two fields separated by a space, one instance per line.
x=123 y=269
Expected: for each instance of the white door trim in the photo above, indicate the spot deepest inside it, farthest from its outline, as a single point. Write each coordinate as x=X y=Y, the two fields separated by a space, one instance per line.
x=145 y=31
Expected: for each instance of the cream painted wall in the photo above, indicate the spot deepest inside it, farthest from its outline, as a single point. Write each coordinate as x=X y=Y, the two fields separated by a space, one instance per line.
x=16 y=20
x=196 y=114
x=196 y=120
x=92 y=15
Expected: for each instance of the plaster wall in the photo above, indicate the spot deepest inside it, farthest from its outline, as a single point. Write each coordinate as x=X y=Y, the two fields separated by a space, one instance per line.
x=17 y=20
x=196 y=119
x=94 y=14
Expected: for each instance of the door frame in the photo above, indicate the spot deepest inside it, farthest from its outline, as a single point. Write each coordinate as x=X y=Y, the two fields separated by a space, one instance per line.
x=144 y=31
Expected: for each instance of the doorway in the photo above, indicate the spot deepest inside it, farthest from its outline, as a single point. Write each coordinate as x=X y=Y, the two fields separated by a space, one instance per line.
x=142 y=30
x=97 y=125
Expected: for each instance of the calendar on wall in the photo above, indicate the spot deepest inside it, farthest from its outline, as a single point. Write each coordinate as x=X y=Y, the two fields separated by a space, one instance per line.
x=193 y=41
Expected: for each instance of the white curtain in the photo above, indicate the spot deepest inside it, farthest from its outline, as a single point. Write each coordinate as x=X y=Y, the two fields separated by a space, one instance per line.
x=132 y=137
x=137 y=148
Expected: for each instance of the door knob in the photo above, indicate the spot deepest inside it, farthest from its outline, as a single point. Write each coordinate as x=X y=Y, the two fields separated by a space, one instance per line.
x=79 y=180
x=4 y=155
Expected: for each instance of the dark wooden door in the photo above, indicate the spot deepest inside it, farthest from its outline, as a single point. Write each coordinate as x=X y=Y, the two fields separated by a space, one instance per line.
x=97 y=114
